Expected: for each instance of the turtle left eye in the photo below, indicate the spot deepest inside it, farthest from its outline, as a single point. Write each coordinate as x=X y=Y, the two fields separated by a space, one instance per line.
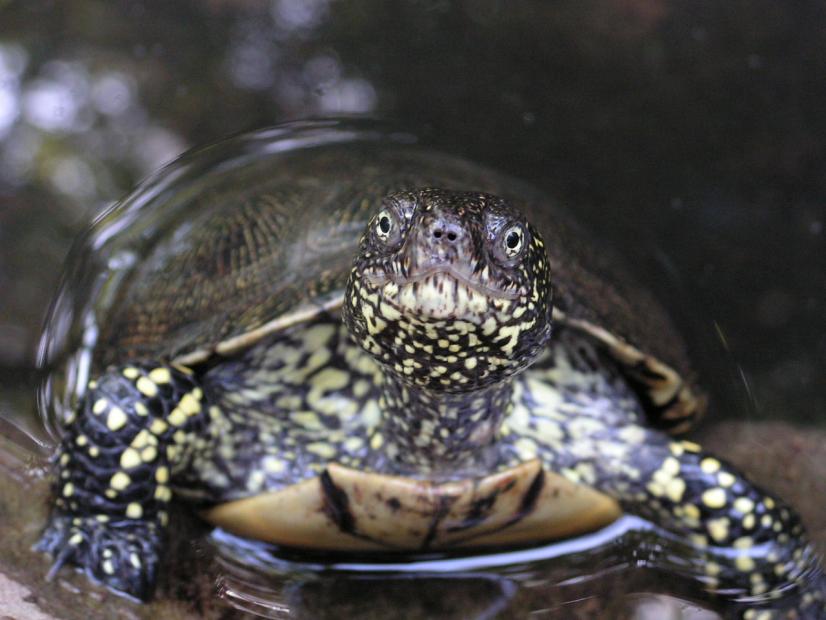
x=385 y=226
x=513 y=240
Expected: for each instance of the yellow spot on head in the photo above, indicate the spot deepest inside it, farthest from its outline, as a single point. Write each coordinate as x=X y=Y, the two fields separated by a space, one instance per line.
x=141 y=409
x=726 y=479
x=100 y=406
x=709 y=465
x=68 y=489
x=131 y=373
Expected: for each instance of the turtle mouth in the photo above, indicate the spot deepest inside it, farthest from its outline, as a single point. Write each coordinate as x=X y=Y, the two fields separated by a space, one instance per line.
x=445 y=274
x=439 y=293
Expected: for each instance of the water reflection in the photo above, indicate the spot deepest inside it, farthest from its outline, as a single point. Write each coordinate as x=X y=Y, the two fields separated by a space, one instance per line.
x=598 y=575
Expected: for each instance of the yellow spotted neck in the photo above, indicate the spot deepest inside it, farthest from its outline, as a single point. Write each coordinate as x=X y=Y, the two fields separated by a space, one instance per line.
x=430 y=431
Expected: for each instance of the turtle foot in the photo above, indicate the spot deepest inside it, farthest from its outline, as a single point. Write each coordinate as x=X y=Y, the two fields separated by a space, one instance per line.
x=122 y=555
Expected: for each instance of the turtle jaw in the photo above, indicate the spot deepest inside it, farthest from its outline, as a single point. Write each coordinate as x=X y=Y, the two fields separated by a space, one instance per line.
x=438 y=333
x=441 y=293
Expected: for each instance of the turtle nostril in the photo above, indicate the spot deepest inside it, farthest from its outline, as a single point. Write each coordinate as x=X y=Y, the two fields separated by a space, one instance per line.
x=445 y=232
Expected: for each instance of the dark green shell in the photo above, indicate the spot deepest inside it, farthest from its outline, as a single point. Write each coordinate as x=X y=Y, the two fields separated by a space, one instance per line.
x=271 y=241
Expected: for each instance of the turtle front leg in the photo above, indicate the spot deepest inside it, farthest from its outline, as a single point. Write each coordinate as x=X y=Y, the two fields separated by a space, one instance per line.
x=131 y=434
x=753 y=544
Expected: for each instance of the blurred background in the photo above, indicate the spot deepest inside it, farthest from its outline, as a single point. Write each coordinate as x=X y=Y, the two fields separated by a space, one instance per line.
x=689 y=134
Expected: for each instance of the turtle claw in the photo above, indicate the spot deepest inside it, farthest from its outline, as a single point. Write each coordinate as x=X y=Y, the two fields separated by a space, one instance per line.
x=122 y=555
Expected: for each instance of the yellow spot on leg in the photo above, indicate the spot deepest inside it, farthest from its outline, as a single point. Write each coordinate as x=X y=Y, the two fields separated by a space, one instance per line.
x=129 y=459
x=714 y=498
x=690 y=446
x=189 y=404
x=158 y=426
x=675 y=488
x=744 y=505
x=744 y=563
x=718 y=528
x=116 y=419
x=147 y=387
x=160 y=375
x=162 y=474
x=134 y=510
x=119 y=481
x=177 y=417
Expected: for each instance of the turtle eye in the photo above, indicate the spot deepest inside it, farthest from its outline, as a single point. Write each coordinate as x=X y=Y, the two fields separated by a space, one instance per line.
x=386 y=226
x=512 y=240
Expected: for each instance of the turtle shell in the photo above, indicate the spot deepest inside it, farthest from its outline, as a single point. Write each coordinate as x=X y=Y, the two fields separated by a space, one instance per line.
x=264 y=240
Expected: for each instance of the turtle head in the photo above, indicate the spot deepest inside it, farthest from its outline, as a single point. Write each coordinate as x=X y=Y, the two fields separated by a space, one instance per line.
x=450 y=290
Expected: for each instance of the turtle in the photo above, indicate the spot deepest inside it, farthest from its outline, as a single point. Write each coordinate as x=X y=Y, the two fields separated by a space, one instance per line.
x=362 y=346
